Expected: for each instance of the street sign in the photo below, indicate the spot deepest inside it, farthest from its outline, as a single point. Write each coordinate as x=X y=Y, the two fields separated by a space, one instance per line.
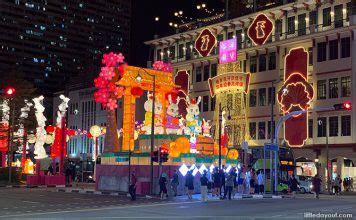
x=244 y=145
x=271 y=147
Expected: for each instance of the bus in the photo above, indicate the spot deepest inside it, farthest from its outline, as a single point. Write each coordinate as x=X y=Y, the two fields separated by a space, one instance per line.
x=286 y=166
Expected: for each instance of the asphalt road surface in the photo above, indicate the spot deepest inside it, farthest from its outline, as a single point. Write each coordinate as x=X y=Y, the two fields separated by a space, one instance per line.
x=46 y=203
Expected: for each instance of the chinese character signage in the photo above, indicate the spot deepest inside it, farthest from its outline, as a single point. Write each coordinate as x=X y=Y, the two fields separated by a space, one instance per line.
x=228 y=51
x=260 y=29
x=205 y=42
x=295 y=95
x=229 y=81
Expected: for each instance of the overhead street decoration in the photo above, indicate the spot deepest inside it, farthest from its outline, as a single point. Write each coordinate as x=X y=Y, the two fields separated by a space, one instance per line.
x=260 y=29
x=205 y=42
x=234 y=81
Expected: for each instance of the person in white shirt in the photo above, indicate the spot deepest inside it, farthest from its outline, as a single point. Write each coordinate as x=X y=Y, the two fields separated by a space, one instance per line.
x=260 y=182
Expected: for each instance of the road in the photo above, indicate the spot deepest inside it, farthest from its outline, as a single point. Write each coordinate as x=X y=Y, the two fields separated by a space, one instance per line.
x=46 y=203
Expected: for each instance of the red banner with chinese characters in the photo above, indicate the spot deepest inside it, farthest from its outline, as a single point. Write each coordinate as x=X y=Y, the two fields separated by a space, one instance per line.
x=260 y=29
x=205 y=42
x=229 y=81
x=4 y=131
x=295 y=95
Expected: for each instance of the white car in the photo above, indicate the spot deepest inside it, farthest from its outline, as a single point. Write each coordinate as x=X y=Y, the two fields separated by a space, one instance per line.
x=305 y=184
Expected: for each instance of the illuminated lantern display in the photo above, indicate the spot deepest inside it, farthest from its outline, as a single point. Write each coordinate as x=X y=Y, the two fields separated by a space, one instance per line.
x=260 y=29
x=4 y=126
x=183 y=144
x=172 y=120
x=229 y=81
x=173 y=150
x=162 y=66
x=228 y=51
x=41 y=133
x=137 y=91
x=295 y=95
x=205 y=42
x=233 y=154
x=181 y=79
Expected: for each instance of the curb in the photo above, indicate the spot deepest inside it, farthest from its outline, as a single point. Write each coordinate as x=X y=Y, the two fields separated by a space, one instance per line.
x=35 y=186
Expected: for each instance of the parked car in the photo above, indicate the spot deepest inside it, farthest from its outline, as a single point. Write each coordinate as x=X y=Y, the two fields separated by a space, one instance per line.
x=305 y=184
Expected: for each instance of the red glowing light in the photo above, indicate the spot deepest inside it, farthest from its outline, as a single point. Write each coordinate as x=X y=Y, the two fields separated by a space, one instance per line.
x=10 y=91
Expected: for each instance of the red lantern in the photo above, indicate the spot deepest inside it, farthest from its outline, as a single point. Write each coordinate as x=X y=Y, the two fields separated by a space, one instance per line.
x=71 y=132
x=136 y=91
x=50 y=129
x=89 y=135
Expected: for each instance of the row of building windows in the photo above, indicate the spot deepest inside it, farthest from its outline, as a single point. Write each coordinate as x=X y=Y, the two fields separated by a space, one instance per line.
x=333 y=49
x=203 y=73
x=264 y=98
x=257 y=130
x=330 y=88
x=334 y=126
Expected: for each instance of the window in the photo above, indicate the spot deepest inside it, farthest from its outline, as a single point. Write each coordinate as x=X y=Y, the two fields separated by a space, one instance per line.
x=338 y=16
x=326 y=17
x=302 y=24
x=348 y=10
x=310 y=51
x=262 y=97
x=158 y=55
x=253 y=64
x=181 y=51
x=205 y=103
x=310 y=128
x=272 y=61
x=333 y=88
x=269 y=129
x=252 y=128
x=321 y=90
x=261 y=130
x=333 y=49
x=291 y=25
x=172 y=53
x=346 y=86
x=345 y=125
x=271 y=93
x=345 y=47
x=333 y=126
x=239 y=38
x=253 y=97
x=322 y=127
x=165 y=54
x=206 y=72
x=212 y=104
x=321 y=51
x=313 y=18
x=198 y=74
x=188 y=50
x=213 y=69
x=230 y=35
x=200 y=105
x=244 y=65
x=262 y=63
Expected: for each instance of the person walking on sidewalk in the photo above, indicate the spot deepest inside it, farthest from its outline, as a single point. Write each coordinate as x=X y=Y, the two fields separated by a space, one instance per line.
x=217 y=182
x=175 y=182
x=260 y=182
x=132 y=187
x=222 y=179
x=293 y=185
x=163 y=186
x=316 y=181
x=189 y=183
x=229 y=185
x=204 y=187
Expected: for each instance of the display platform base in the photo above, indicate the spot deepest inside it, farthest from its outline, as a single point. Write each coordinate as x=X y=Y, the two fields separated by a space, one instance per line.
x=35 y=180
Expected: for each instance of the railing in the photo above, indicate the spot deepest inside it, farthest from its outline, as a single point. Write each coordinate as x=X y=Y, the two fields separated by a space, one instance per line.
x=312 y=29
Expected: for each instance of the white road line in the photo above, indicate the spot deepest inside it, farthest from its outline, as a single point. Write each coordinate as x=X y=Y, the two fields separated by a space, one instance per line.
x=108 y=208
x=29 y=201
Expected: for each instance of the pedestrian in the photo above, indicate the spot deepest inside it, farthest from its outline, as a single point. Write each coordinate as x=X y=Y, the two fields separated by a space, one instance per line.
x=351 y=184
x=316 y=182
x=50 y=170
x=247 y=182
x=175 y=182
x=260 y=182
x=222 y=179
x=337 y=185
x=240 y=182
x=163 y=186
x=229 y=185
x=235 y=189
x=217 y=182
x=252 y=182
x=132 y=187
x=293 y=185
x=345 y=184
x=204 y=187
x=189 y=183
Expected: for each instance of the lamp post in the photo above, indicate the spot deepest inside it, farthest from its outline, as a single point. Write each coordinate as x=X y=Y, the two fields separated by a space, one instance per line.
x=139 y=78
x=320 y=122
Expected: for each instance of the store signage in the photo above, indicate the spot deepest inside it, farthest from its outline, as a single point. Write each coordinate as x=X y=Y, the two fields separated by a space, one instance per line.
x=205 y=42
x=295 y=95
x=228 y=51
x=235 y=81
x=260 y=29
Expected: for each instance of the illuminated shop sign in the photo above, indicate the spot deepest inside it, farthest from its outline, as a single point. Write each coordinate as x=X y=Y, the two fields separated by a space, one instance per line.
x=228 y=51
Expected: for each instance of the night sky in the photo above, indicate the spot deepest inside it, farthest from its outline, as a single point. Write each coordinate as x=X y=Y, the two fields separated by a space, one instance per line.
x=144 y=26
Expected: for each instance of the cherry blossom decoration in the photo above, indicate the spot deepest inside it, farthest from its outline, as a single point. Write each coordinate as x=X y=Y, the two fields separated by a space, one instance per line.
x=162 y=66
x=108 y=93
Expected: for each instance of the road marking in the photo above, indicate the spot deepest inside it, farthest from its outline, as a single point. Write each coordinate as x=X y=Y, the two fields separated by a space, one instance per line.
x=113 y=207
x=29 y=201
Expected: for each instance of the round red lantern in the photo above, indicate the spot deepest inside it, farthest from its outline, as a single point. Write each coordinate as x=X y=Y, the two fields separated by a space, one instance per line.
x=50 y=129
x=136 y=91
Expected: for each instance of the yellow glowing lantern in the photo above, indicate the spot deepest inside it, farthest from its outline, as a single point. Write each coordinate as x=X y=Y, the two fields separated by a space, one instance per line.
x=49 y=139
x=95 y=131
x=233 y=154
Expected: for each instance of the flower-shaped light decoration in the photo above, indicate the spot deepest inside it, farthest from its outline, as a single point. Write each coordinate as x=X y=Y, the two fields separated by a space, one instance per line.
x=167 y=67
x=108 y=92
x=162 y=66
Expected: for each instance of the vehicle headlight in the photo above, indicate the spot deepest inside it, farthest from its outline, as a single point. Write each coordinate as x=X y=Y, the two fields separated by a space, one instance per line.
x=311 y=186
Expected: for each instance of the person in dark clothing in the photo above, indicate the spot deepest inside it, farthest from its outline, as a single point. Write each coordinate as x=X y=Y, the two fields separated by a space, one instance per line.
x=175 y=182
x=293 y=185
x=204 y=187
x=132 y=187
x=229 y=185
x=222 y=179
x=316 y=181
x=163 y=186
x=50 y=170
x=217 y=182
x=189 y=183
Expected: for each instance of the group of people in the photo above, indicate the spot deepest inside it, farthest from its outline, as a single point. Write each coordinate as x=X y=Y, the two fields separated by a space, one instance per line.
x=347 y=183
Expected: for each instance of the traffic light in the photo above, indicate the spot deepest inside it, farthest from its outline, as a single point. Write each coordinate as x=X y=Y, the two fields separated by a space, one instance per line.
x=10 y=91
x=155 y=156
x=343 y=106
x=164 y=155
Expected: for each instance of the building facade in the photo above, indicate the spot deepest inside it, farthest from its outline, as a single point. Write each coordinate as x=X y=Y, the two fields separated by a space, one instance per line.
x=51 y=41
x=325 y=29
